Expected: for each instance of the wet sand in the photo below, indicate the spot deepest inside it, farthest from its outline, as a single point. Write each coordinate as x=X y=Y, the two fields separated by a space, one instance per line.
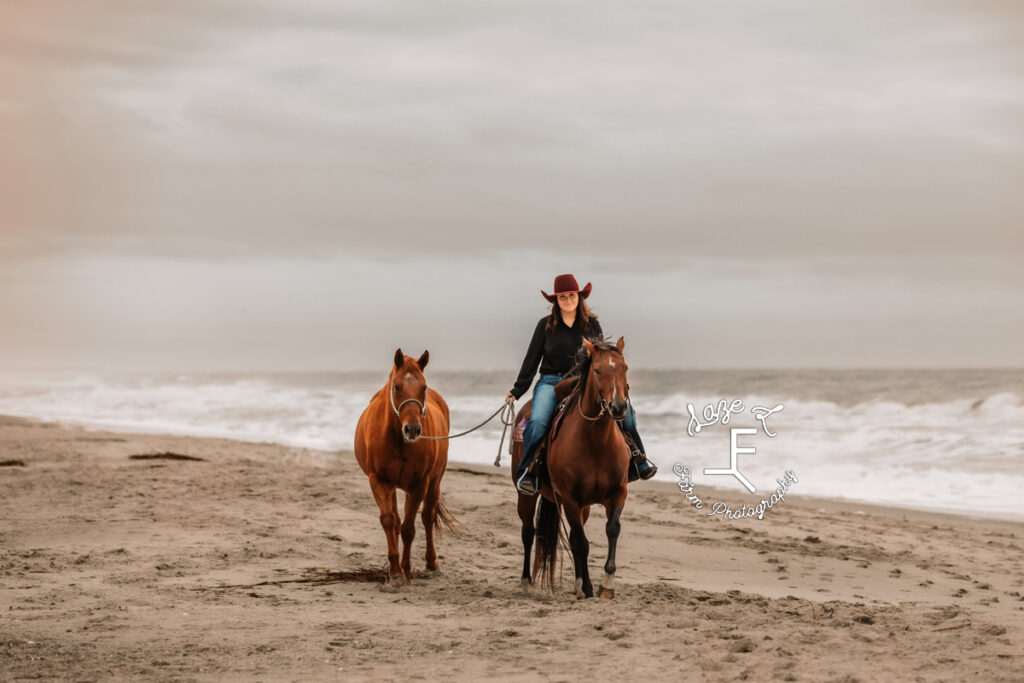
x=260 y=561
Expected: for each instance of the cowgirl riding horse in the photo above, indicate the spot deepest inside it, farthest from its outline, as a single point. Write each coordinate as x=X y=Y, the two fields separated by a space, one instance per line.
x=556 y=338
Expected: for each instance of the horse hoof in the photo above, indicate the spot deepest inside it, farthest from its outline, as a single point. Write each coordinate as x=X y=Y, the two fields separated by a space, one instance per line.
x=525 y=585
x=579 y=590
x=605 y=593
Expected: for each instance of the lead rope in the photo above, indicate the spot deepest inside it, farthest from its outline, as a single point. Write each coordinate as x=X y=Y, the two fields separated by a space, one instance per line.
x=508 y=418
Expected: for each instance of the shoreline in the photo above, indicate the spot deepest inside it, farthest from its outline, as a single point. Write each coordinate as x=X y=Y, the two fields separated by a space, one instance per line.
x=714 y=492
x=251 y=563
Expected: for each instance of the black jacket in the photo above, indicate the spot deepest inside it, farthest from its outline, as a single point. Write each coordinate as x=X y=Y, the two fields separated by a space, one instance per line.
x=554 y=352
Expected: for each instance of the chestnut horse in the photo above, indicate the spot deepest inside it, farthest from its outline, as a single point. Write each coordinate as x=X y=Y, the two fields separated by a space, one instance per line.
x=587 y=464
x=391 y=452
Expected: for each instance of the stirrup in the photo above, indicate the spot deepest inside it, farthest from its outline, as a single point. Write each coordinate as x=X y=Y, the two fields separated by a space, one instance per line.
x=645 y=469
x=524 y=483
x=640 y=460
x=649 y=472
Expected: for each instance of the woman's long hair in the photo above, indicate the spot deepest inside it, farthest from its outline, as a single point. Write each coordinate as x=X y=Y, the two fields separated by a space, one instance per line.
x=583 y=316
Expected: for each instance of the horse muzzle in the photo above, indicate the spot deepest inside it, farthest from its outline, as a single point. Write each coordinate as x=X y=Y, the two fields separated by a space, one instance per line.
x=617 y=409
x=411 y=432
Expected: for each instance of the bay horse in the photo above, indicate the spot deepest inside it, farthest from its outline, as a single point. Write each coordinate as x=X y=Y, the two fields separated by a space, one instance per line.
x=390 y=450
x=587 y=464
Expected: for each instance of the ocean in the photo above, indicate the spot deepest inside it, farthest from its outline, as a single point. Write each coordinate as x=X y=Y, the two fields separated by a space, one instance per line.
x=949 y=440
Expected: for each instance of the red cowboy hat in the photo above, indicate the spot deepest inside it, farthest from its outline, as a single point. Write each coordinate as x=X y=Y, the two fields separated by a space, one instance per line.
x=566 y=284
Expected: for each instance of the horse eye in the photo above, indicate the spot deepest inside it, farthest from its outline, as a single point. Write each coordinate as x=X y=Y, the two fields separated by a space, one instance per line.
x=396 y=389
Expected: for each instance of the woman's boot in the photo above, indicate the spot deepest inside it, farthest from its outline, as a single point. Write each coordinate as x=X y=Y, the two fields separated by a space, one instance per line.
x=639 y=466
x=526 y=481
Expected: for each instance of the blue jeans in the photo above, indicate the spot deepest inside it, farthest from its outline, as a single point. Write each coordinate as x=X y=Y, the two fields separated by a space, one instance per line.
x=541 y=410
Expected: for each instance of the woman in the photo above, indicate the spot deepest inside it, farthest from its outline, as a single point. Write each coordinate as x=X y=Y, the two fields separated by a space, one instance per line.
x=556 y=339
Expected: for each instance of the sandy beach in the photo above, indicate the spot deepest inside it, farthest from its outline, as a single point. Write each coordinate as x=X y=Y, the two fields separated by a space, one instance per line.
x=264 y=562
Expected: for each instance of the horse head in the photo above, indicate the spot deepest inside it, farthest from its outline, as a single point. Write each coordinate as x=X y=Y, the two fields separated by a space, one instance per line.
x=607 y=370
x=408 y=393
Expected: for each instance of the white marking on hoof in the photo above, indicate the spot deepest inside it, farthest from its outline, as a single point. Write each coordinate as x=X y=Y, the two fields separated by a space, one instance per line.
x=608 y=581
x=579 y=589
x=525 y=585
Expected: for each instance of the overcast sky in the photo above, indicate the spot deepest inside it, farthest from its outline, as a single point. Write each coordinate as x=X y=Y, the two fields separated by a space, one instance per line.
x=307 y=184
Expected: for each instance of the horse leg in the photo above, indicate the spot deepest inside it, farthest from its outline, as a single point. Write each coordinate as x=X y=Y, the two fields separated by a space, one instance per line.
x=527 y=507
x=613 y=508
x=387 y=501
x=430 y=520
x=413 y=498
x=580 y=549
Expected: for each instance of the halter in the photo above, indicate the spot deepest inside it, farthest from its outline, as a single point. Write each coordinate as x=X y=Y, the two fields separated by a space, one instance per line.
x=391 y=395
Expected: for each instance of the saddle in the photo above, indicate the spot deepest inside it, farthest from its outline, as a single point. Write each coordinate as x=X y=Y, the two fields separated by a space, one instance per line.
x=563 y=392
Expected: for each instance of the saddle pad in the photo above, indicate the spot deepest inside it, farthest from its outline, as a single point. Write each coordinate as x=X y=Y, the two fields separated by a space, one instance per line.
x=518 y=429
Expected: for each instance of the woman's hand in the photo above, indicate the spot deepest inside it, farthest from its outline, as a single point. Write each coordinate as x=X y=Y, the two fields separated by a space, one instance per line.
x=509 y=397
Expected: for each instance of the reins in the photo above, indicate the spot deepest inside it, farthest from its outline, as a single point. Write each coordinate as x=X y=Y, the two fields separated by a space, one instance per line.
x=604 y=403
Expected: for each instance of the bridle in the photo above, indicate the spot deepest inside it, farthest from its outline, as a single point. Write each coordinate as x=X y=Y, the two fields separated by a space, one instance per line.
x=391 y=395
x=604 y=401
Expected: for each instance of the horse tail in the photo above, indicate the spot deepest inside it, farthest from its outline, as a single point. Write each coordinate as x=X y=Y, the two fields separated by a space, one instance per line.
x=444 y=520
x=549 y=536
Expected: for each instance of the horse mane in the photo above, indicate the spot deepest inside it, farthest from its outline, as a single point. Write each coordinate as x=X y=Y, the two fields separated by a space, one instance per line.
x=582 y=362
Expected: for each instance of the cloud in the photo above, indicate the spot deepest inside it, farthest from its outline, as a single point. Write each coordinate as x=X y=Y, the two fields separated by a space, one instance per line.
x=227 y=121
x=795 y=151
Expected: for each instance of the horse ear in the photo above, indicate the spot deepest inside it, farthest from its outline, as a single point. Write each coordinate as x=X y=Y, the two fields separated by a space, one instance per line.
x=621 y=344
x=588 y=346
x=399 y=357
x=422 y=362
